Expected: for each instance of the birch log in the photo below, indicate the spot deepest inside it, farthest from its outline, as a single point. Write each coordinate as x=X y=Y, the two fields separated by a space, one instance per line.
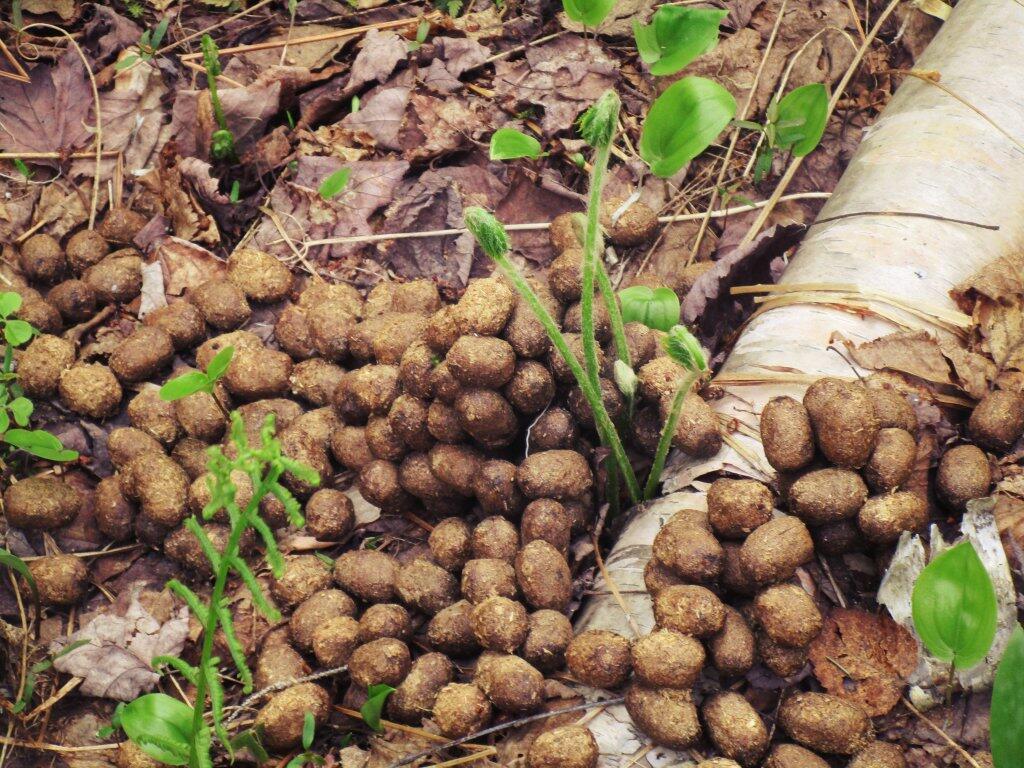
x=928 y=153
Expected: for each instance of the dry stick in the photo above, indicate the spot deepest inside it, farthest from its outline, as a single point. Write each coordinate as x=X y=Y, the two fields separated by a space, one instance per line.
x=844 y=81
x=55 y=747
x=614 y=588
x=280 y=686
x=946 y=737
x=542 y=225
x=98 y=139
x=270 y=44
x=504 y=726
x=735 y=137
x=221 y=23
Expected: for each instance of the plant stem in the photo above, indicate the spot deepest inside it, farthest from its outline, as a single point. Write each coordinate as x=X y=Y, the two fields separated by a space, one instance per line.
x=238 y=526
x=614 y=313
x=667 y=432
x=591 y=241
x=605 y=428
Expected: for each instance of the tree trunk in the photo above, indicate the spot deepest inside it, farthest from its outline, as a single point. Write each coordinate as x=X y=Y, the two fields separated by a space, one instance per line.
x=928 y=153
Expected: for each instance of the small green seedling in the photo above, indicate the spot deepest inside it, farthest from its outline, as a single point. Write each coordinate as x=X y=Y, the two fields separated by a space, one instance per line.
x=794 y=124
x=510 y=144
x=376 y=695
x=422 y=30
x=23 y=169
x=954 y=607
x=683 y=122
x=163 y=727
x=676 y=36
x=1007 y=711
x=589 y=13
x=656 y=308
x=236 y=192
x=308 y=734
x=15 y=408
x=149 y=42
x=335 y=184
x=198 y=381
x=222 y=143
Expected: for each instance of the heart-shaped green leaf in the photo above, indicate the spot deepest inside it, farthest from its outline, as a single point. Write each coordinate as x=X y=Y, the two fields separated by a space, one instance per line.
x=510 y=144
x=676 y=36
x=801 y=118
x=954 y=607
x=21 y=409
x=656 y=308
x=9 y=302
x=589 y=13
x=17 y=332
x=683 y=122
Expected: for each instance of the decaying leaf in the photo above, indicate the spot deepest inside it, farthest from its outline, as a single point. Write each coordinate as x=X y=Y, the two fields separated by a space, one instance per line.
x=50 y=113
x=66 y=9
x=185 y=265
x=115 y=663
x=454 y=55
x=564 y=77
x=864 y=657
x=381 y=52
x=913 y=352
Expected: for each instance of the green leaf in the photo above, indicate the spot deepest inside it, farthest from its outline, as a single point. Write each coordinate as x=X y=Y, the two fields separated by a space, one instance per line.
x=683 y=347
x=219 y=364
x=160 y=31
x=683 y=122
x=1007 y=711
x=5 y=420
x=185 y=385
x=39 y=443
x=10 y=302
x=802 y=114
x=510 y=144
x=17 y=332
x=161 y=726
x=23 y=168
x=954 y=607
x=19 y=566
x=332 y=186
x=676 y=36
x=308 y=730
x=21 y=409
x=376 y=696
x=126 y=62
x=656 y=308
x=236 y=190
x=589 y=13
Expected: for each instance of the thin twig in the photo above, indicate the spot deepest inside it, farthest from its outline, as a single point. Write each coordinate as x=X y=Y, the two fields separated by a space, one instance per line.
x=542 y=225
x=614 y=588
x=505 y=726
x=336 y=35
x=280 y=686
x=945 y=736
x=201 y=32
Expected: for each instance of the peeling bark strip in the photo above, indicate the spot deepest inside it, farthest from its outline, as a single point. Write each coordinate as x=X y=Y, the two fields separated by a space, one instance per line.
x=927 y=152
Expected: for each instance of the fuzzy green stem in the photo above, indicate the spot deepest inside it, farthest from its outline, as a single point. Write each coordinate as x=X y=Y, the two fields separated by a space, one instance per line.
x=238 y=526
x=667 y=432
x=605 y=427
x=591 y=242
x=604 y=285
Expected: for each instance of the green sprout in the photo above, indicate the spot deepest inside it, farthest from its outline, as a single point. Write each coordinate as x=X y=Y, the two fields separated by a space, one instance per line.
x=16 y=409
x=149 y=43
x=163 y=727
x=222 y=143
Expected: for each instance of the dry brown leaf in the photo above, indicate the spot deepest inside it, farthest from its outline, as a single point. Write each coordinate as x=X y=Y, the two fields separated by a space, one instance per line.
x=49 y=114
x=974 y=373
x=380 y=118
x=564 y=77
x=66 y=9
x=864 y=657
x=185 y=265
x=913 y=352
x=454 y=55
x=115 y=663
x=436 y=127
x=1000 y=326
x=1000 y=279
x=381 y=52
